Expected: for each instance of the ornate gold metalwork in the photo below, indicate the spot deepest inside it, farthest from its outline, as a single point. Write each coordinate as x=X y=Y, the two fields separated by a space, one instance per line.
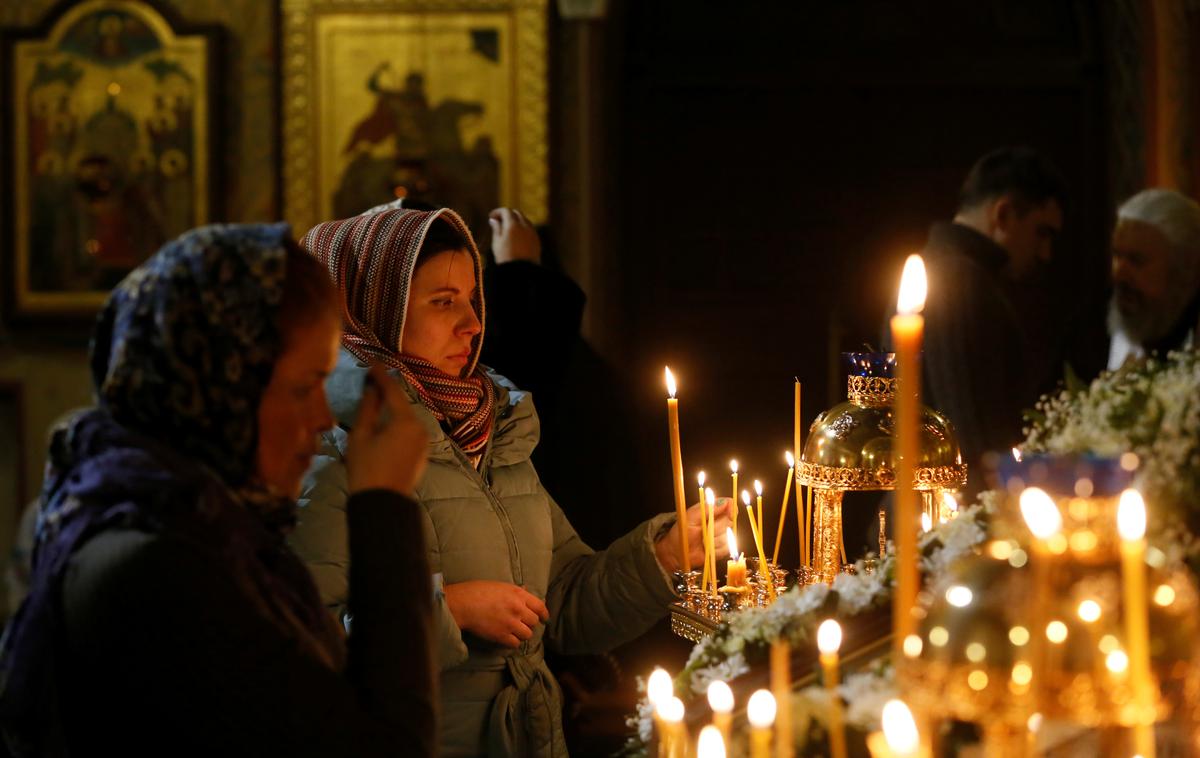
x=871 y=391
x=307 y=121
x=864 y=480
x=691 y=625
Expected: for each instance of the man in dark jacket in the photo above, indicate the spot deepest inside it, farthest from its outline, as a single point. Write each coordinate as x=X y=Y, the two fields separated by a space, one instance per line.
x=984 y=362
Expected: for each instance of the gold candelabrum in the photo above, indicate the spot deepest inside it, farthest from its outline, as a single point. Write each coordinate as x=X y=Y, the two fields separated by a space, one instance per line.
x=852 y=448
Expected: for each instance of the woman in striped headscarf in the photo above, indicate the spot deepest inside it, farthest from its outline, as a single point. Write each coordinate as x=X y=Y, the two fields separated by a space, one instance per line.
x=511 y=575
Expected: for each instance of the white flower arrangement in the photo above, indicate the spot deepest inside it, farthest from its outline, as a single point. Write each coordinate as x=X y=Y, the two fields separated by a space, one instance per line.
x=746 y=636
x=1151 y=408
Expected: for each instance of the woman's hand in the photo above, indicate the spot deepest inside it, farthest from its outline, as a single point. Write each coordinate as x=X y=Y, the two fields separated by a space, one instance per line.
x=388 y=446
x=513 y=237
x=667 y=548
x=498 y=611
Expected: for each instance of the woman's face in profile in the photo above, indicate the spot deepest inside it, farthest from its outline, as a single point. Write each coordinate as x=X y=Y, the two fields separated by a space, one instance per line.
x=441 y=321
x=293 y=409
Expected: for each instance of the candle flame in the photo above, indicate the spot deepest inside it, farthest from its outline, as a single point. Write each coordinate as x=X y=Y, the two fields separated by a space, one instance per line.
x=670 y=382
x=659 y=687
x=913 y=286
x=899 y=728
x=709 y=498
x=720 y=697
x=950 y=502
x=710 y=744
x=791 y=461
x=700 y=478
x=671 y=710
x=926 y=522
x=1131 y=516
x=758 y=488
x=746 y=498
x=731 y=540
x=1016 y=455
x=733 y=465
x=1040 y=513
x=760 y=711
x=829 y=636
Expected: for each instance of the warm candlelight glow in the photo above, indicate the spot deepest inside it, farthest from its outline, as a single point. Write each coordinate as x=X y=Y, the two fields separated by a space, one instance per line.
x=1040 y=513
x=700 y=479
x=829 y=637
x=900 y=729
x=732 y=541
x=926 y=522
x=1131 y=516
x=671 y=710
x=1089 y=610
x=791 y=460
x=746 y=498
x=710 y=744
x=670 y=382
x=758 y=488
x=1016 y=455
x=720 y=697
x=733 y=466
x=659 y=687
x=760 y=711
x=950 y=502
x=913 y=286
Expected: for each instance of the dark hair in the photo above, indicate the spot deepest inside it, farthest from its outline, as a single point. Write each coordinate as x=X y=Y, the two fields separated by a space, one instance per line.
x=442 y=236
x=1029 y=178
x=308 y=291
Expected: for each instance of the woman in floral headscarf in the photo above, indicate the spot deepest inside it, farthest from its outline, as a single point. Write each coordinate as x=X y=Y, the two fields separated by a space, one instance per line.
x=515 y=577
x=167 y=616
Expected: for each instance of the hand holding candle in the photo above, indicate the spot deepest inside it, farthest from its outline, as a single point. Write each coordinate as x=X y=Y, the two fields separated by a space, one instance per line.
x=666 y=549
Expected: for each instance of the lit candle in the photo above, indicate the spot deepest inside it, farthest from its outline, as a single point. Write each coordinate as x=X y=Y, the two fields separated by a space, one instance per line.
x=760 y=712
x=710 y=744
x=711 y=500
x=674 y=742
x=1131 y=525
x=735 y=569
x=733 y=470
x=685 y=563
x=720 y=700
x=659 y=689
x=907 y=329
x=754 y=530
x=758 y=507
x=829 y=640
x=787 y=493
x=899 y=738
x=704 y=535
x=781 y=685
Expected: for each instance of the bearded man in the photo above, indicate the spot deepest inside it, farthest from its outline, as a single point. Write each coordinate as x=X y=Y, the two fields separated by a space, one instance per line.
x=1155 y=304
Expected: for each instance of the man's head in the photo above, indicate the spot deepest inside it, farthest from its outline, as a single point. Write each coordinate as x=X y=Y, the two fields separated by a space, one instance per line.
x=1016 y=198
x=1155 y=263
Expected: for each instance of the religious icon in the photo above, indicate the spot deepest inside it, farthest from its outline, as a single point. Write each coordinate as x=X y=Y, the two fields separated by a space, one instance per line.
x=445 y=105
x=110 y=145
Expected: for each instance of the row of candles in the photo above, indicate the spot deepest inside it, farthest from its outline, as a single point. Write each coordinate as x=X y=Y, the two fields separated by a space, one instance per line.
x=907 y=328
x=899 y=737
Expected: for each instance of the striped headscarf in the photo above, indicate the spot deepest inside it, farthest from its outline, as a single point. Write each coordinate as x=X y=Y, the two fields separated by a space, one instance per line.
x=372 y=257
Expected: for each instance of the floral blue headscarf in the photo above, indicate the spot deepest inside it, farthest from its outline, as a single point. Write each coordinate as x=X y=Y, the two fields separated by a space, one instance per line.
x=181 y=355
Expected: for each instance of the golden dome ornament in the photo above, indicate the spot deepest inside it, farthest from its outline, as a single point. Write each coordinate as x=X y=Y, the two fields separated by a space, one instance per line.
x=852 y=448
